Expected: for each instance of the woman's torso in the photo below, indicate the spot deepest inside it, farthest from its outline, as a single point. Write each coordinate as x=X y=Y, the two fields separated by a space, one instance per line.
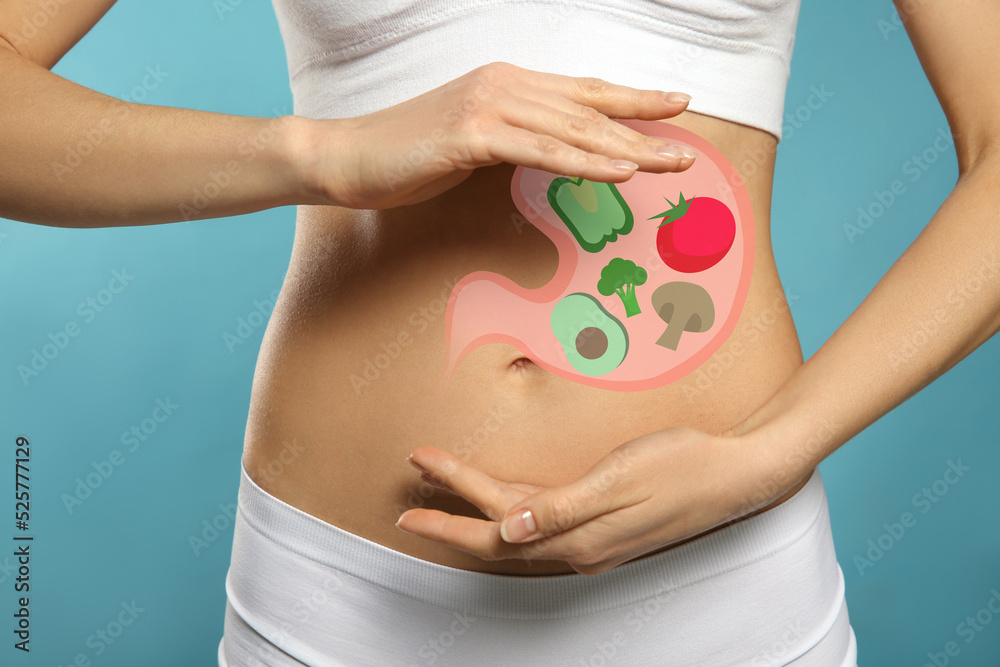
x=346 y=382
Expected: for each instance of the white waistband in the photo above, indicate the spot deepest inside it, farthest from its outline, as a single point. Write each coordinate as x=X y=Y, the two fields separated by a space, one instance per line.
x=538 y=596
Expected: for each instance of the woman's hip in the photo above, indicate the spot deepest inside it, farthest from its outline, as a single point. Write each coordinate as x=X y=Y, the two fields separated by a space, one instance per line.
x=764 y=591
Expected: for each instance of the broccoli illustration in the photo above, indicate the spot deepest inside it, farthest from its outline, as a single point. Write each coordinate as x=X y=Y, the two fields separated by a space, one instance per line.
x=620 y=277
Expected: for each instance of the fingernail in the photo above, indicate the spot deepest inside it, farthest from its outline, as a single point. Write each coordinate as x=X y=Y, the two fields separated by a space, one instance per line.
x=518 y=528
x=428 y=478
x=689 y=152
x=677 y=98
x=670 y=151
x=624 y=165
x=418 y=466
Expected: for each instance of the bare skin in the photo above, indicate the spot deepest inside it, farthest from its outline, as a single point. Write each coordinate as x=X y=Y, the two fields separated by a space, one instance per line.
x=355 y=280
x=671 y=484
x=370 y=261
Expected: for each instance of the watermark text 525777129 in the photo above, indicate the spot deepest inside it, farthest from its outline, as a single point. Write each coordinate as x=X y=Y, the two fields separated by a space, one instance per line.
x=22 y=544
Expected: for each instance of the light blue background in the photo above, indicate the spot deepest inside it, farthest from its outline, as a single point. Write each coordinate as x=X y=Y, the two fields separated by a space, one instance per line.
x=162 y=337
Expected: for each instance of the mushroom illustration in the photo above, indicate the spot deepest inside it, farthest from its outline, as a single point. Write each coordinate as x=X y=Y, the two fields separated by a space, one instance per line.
x=684 y=307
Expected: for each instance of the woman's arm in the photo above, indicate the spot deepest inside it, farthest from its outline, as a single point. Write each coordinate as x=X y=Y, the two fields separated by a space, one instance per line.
x=941 y=299
x=935 y=305
x=73 y=157
x=44 y=31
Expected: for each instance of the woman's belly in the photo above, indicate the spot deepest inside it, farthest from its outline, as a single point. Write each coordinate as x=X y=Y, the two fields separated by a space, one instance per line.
x=347 y=382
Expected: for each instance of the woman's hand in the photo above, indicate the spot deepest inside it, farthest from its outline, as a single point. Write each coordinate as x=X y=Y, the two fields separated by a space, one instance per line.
x=648 y=493
x=496 y=113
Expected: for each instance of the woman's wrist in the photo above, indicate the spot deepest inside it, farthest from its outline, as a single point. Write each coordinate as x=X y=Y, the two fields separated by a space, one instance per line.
x=314 y=151
x=789 y=437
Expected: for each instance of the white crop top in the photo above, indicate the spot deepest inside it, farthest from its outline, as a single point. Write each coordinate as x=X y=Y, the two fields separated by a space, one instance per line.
x=351 y=58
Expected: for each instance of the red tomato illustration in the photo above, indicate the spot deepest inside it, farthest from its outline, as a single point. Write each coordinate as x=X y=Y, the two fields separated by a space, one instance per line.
x=695 y=234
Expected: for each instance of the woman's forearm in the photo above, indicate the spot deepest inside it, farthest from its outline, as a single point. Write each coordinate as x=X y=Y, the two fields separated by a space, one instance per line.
x=938 y=302
x=73 y=157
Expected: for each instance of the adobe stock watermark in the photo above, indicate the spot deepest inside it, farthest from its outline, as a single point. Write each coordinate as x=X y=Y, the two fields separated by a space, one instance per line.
x=771 y=488
x=132 y=439
x=894 y=22
x=495 y=418
x=223 y=8
x=563 y=510
x=913 y=169
x=968 y=629
x=432 y=650
x=32 y=23
x=213 y=528
x=276 y=467
x=750 y=332
x=305 y=608
x=606 y=652
x=923 y=501
x=419 y=321
x=535 y=207
x=41 y=357
x=7 y=569
x=562 y=12
x=794 y=120
x=681 y=59
x=937 y=319
x=423 y=148
x=803 y=113
x=101 y=640
x=780 y=650
x=247 y=324
x=218 y=180
x=95 y=135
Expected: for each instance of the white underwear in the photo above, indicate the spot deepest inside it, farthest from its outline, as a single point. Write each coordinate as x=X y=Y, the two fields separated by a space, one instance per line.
x=762 y=592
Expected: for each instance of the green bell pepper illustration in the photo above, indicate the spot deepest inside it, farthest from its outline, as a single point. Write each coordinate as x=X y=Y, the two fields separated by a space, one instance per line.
x=596 y=213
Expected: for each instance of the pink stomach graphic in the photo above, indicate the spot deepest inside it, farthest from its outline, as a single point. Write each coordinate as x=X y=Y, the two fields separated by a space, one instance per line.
x=682 y=318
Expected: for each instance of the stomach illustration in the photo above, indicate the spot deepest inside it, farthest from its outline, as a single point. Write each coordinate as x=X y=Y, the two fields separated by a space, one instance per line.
x=652 y=275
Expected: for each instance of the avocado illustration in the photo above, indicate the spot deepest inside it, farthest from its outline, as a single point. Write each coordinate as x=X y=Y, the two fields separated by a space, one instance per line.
x=594 y=340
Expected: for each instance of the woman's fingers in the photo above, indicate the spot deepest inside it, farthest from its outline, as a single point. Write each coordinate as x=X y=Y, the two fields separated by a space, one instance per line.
x=613 y=100
x=475 y=536
x=541 y=151
x=606 y=488
x=491 y=496
x=574 y=112
x=582 y=548
x=420 y=148
x=588 y=130
x=566 y=105
x=554 y=511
